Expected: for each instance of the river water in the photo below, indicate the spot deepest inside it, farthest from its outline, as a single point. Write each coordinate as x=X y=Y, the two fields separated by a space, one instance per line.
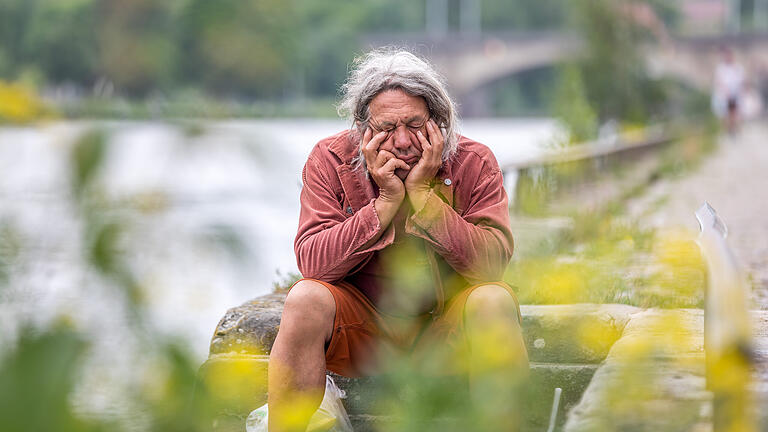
x=211 y=210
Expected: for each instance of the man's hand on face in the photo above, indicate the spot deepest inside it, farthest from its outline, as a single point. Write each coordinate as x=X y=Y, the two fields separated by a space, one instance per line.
x=417 y=183
x=381 y=167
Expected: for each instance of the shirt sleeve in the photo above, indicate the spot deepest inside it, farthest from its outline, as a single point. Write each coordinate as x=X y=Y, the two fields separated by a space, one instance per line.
x=329 y=242
x=477 y=244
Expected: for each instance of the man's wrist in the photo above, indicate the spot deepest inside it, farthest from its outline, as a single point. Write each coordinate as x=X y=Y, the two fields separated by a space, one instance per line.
x=417 y=196
x=386 y=208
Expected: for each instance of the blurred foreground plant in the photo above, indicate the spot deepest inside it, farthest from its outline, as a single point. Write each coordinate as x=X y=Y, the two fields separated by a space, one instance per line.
x=41 y=371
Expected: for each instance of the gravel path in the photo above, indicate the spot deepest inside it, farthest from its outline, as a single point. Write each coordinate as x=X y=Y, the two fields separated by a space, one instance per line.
x=734 y=180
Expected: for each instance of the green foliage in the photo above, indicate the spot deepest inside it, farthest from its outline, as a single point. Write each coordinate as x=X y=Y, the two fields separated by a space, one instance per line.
x=537 y=187
x=176 y=399
x=285 y=281
x=86 y=158
x=572 y=107
x=613 y=70
x=604 y=257
x=10 y=248
x=136 y=43
x=36 y=380
x=617 y=83
x=235 y=45
x=104 y=248
x=40 y=372
x=62 y=40
x=255 y=48
x=267 y=49
x=607 y=259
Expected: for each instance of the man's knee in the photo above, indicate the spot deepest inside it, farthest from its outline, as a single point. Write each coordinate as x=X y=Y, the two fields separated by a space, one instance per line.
x=310 y=297
x=490 y=300
x=492 y=321
x=309 y=304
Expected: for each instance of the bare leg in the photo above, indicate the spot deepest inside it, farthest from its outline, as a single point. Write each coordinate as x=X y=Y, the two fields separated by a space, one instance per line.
x=297 y=362
x=498 y=365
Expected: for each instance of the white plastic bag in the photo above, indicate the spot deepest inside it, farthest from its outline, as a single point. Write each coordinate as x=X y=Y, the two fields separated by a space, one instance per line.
x=330 y=417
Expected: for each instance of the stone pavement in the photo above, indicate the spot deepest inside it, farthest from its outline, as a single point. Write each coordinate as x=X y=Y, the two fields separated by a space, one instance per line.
x=734 y=180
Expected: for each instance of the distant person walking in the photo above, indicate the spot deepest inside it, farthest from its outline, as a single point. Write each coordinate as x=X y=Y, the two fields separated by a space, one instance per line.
x=728 y=91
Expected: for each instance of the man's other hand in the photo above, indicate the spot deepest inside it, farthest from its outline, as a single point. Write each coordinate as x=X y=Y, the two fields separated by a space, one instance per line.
x=381 y=167
x=417 y=183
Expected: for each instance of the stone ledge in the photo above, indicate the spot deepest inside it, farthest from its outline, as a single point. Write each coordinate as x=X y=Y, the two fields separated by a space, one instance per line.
x=677 y=397
x=652 y=379
x=578 y=333
x=553 y=333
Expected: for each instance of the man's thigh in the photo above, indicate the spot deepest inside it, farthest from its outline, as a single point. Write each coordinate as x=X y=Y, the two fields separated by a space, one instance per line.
x=351 y=349
x=444 y=344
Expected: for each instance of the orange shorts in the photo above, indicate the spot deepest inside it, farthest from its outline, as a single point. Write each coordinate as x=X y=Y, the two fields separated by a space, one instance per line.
x=362 y=335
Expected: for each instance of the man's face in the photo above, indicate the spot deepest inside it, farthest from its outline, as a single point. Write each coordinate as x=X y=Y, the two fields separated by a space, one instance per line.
x=401 y=115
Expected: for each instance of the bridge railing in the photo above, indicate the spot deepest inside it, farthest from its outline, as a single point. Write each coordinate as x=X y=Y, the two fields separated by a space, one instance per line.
x=592 y=157
x=727 y=329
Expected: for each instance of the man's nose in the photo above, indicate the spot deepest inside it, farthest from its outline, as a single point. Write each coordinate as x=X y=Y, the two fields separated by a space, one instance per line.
x=401 y=138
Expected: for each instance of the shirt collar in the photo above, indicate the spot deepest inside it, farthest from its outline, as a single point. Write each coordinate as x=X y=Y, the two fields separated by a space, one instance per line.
x=344 y=147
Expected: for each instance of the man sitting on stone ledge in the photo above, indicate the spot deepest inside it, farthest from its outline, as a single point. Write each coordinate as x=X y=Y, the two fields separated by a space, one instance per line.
x=403 y=238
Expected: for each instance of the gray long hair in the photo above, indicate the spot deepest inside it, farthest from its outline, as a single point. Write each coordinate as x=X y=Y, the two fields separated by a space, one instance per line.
x=389 y=68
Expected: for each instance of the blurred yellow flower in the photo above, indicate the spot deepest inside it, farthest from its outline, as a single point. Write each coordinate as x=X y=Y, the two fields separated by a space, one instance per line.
x=18 y=104
x=561 y=285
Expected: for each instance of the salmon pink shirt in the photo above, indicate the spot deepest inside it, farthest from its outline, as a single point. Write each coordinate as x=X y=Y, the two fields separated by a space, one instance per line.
x=461 y=236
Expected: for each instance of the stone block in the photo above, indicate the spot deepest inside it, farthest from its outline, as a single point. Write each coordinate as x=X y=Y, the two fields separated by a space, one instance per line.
x=652 y=379
x=250 y=328
x=236 y=383
x=580 y=333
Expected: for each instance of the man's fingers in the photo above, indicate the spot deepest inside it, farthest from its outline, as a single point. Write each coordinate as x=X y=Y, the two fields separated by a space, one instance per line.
x=426 y=147
x=387 y=153
x=376 y=141
x=370 y=147
x=435 y=135
x=394 y=164
x=382 y=157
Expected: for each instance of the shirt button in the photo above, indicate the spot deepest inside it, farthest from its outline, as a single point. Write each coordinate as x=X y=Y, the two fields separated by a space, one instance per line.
x=349 y=210
x=447 y=182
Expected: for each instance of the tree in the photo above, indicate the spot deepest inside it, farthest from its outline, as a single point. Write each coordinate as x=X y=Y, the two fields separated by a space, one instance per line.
x=244 y=46
x=136 y=43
